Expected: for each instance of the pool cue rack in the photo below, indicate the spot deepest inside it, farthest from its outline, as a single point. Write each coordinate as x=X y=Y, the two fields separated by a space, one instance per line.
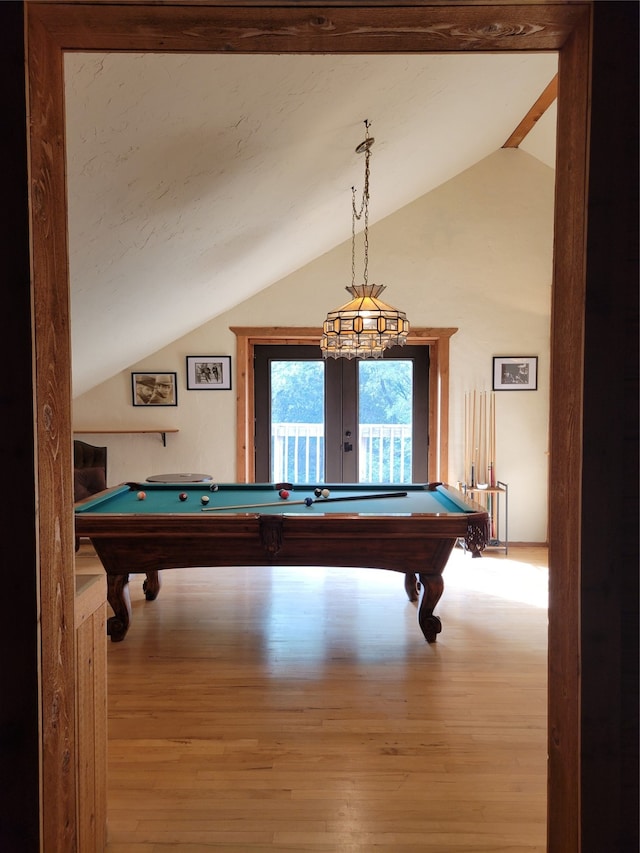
x=492 y=498
x=480 y=475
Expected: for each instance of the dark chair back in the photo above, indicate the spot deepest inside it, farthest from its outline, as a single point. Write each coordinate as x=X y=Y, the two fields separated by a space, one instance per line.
x=89 y=469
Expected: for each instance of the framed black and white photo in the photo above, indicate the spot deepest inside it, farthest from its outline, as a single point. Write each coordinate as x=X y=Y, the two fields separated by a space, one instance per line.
x=515 y=373
x=154 y=389
x=208 y=372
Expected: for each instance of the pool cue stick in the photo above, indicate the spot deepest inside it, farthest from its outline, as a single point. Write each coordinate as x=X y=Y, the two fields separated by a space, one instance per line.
x=470 y=480
x=492 y=428
x=466 y=439
x=483 y=444
x=492 y=439
x=470 y=447
x=472 y=456
x=481 y=473
x=252 y=506
x=475 y=449
x=486 y=438
x=493 y=435
x=464 y=442
x=470 y=471
x=285 y=503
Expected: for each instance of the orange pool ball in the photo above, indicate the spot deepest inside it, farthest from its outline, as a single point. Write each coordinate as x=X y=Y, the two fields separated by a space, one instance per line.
x=141 y=496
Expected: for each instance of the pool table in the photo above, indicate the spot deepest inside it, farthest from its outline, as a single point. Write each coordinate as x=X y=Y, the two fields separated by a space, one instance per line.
x=411 y=530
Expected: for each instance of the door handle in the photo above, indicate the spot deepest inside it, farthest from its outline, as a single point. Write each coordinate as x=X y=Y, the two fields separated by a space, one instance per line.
x=347 y=447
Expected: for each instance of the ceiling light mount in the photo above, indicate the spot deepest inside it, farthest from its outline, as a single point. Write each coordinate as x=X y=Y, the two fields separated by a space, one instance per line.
x=366 y=326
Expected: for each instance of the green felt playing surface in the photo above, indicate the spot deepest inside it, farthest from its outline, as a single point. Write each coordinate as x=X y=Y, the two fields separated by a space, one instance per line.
x=164 y=498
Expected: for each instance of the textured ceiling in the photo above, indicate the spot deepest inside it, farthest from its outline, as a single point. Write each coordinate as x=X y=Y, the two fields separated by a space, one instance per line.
x=195 y=181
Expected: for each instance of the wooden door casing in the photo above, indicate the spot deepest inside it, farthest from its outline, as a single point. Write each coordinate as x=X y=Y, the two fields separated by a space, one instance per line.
x=336 y=27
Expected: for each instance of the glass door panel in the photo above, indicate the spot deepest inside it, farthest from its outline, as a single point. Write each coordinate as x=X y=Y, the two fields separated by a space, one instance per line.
x=297 y=421
x=385 y=422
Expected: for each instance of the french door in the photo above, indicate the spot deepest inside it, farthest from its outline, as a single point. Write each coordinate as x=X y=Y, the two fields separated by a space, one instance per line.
x=341 y=421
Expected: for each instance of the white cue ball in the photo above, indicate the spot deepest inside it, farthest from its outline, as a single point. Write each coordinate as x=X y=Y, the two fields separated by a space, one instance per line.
x=204 y=499
x=325 y=493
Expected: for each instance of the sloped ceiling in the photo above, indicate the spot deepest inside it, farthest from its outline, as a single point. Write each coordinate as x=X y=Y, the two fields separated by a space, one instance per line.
x=195 y=181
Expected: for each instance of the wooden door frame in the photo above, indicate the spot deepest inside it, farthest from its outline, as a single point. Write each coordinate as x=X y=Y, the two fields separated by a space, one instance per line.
x=297 y=26
x=248 y=337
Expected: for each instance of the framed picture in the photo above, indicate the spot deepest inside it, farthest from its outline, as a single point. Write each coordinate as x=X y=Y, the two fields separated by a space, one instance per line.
x=515 y=373
x=208 y=372
x=154 y=389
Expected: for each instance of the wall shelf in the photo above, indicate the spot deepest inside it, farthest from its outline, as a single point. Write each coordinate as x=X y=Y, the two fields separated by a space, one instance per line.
x=161 y=432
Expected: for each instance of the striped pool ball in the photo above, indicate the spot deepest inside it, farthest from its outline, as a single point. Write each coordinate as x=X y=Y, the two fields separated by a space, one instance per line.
x=204 y=499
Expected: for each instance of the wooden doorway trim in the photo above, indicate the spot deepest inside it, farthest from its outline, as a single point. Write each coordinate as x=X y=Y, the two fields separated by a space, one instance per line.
x=296 y=26
x=248 y=337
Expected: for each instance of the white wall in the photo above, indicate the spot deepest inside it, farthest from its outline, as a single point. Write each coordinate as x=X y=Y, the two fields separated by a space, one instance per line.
x=476 y=254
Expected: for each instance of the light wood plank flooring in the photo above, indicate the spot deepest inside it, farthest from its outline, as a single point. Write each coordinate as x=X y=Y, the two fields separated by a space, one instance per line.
x=258 y=709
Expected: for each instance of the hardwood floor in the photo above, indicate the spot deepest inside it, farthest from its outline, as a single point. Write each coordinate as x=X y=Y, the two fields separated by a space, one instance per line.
x=259 y=709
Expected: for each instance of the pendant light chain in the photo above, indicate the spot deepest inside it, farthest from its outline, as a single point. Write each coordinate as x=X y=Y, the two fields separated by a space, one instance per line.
x=364 y=209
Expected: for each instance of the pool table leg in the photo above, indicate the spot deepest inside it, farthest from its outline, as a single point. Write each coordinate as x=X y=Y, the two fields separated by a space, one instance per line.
x=412 y=586
x=151 y=585
x=118 y=598
x=432 y=589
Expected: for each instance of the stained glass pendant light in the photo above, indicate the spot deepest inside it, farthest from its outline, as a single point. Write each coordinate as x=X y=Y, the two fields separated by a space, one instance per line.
x=366 y=326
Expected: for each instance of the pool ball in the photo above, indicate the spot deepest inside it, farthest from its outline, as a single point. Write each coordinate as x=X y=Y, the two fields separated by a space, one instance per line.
x=308 y=501
x=317 y=492
x=284 y=494
x=213 y=487
x=183 y=496
x=325 y=493
x=141 y=496
x=204 y=499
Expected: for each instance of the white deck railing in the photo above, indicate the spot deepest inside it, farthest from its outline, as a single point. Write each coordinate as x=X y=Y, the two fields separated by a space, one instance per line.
x=297 y=453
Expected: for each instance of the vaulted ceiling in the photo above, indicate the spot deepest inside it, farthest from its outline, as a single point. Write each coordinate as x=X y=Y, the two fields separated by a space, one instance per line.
x=195 y=181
